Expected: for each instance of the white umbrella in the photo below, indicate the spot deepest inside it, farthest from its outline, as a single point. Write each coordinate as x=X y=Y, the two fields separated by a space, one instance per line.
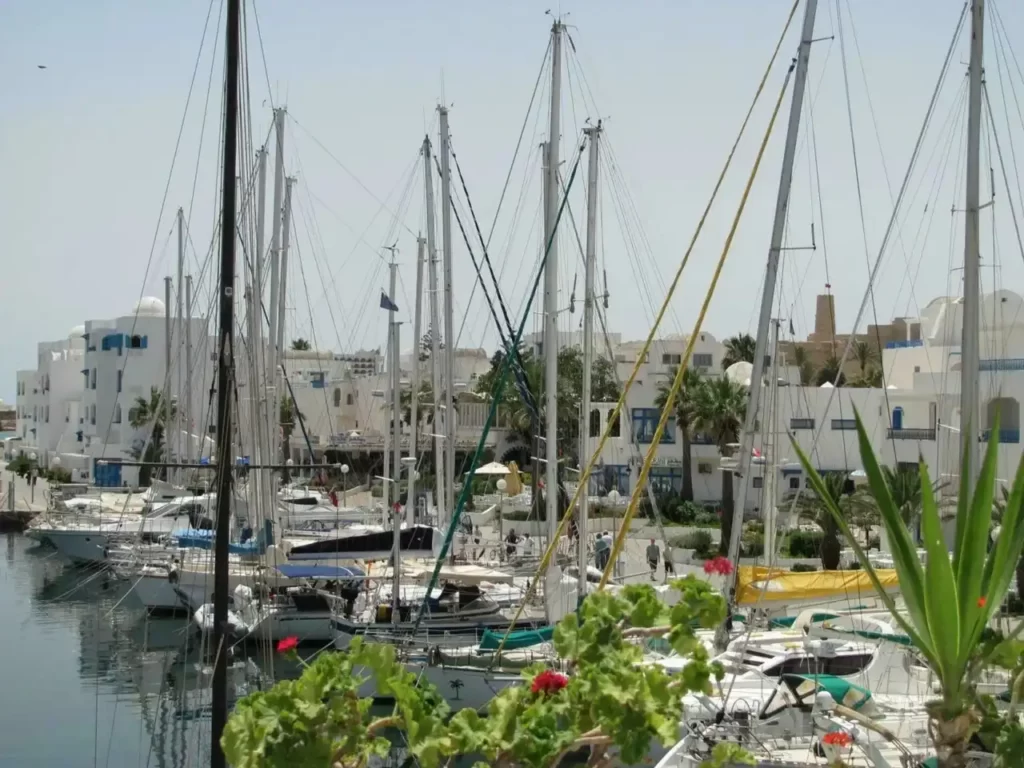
x=494 y=468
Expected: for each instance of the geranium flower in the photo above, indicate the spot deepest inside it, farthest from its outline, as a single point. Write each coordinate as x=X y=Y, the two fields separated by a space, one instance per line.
x=287 y=644
x=837 y=739
x=549 y=681
x=720 y=566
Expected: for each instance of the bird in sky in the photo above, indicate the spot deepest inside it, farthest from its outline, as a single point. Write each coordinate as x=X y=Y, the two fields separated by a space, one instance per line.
x=40 y=66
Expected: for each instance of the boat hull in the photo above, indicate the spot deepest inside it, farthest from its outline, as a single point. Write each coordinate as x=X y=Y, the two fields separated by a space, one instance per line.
x=452 y=631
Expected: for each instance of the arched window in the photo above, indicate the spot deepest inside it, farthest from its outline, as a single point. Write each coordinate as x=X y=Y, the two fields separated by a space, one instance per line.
x=595 y=423
x=117 y=413
x=349 y=399
x=337 y=398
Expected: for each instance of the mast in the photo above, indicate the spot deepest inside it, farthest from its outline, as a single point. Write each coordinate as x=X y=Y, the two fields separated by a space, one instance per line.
x=971 y=340
x=435 y=337
x=551 y=291
x=282 y=285
x=273 y=417
x=166 y=394
x=768 y=292
x=769 y=428
x=263 y=426
x=388 y=416
x=594 y=134
x=449 y=314
x=179 y=339
x=188 y=369
x=421 y=246
x=396 y=474
x=225 y=384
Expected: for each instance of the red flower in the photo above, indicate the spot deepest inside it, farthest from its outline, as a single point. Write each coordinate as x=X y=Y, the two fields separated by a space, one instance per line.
x=549 y=681
x=982 y=601
x=287 y=644
x=837 y=739
x=721 y=566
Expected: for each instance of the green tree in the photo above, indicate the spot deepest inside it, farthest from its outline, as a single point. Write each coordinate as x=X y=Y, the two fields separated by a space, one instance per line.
x=829 y=373
x=424 y=405
x=813 y=506
x=739 y=348
x=803 y=363
x=865 y=354
x=686 y=417
x=721 y=406
x=153 y=414
x=300 y=344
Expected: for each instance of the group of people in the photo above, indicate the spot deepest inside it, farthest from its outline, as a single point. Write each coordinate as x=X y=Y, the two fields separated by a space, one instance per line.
x=603 y=552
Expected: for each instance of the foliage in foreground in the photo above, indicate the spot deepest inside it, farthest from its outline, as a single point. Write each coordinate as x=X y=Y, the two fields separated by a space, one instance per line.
x=611 y=703
x=951 y=600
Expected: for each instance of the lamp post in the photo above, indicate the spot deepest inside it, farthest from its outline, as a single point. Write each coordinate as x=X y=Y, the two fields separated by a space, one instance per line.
x=502 y=485
x=344 y=484
x=32 y=473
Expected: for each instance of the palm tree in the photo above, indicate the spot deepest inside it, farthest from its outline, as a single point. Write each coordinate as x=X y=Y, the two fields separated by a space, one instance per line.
x=829 y=373
x=738 y=349
x=425 y=405
x=721 y=406
x=865 y=355
x=686 y=417
x=814 y=508
x=153 y=414
x=803 y=364
x=300 y=344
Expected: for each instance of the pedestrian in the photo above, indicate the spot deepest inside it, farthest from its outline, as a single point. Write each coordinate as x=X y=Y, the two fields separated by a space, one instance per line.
x=527 y=546
x=600 y=552
x=653 y=556
x=511 y=541
x=669 y=565
x=476 y=543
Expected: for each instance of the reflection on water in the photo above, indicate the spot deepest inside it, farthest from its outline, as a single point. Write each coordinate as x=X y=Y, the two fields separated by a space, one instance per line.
x=90 y=680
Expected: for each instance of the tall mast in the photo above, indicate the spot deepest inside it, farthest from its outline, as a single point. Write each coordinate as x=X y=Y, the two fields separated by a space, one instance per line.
x=282 y=285
x=179 y=338
x=387 y=473
x=396 y=473
x=421 y=246
x=449 y=314
x=273 y=417
x=435 y=337
x=225 y=384
x=594 y=135
x=168 y=361
x=551 y=290
x=971 y=339
x=263 y=427
x=771 y=455
x=188 y=369
x=768 y=292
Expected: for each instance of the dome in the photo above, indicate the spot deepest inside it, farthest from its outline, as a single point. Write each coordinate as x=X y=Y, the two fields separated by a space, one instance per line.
x=77 y=332
x=827 y=385
x=740 y=373
x=149 y=306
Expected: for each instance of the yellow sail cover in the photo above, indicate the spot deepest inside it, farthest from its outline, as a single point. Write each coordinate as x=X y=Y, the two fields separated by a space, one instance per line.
x=767 y=586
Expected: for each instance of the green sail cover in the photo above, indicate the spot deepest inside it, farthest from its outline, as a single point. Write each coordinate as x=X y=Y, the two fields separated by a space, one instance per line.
x=842 y=691
x=522 y=638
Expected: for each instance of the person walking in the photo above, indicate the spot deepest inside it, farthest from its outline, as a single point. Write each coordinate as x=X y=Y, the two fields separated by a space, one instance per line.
x=670 y=567
x=653 y=556
x=600 y=552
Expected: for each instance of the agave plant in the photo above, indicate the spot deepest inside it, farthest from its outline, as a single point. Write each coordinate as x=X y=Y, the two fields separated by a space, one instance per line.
x=949 y=601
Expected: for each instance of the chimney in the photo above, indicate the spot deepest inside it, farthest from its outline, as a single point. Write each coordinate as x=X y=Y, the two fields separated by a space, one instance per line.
x=824 y=318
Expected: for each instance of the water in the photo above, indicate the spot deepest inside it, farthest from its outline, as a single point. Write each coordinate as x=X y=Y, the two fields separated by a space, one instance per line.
x=89 y=681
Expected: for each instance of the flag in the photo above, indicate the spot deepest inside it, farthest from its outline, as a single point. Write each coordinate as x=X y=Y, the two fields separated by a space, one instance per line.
x=387 y=303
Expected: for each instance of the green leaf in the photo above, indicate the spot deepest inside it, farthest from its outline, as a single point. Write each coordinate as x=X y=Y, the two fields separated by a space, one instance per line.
x=974 y=544
x=1002 y=562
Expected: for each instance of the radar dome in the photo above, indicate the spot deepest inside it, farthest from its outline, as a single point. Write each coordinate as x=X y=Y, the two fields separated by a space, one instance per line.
x=740 y=373
x=77 y=332
x=149 y=306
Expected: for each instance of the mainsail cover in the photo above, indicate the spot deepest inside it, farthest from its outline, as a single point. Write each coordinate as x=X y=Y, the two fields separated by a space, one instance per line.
x=415 y=541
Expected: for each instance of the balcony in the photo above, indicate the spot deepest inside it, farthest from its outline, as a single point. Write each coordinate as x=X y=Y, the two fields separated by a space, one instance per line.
x=910 y=434
x=1005 y=435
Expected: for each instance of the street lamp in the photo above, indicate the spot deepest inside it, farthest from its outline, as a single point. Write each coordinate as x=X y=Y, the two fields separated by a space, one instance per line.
x=344 y=484
x=32 y=476
x=502 y=485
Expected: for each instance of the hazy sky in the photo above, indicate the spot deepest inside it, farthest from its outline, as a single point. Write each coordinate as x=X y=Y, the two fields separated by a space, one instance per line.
x=86 y=148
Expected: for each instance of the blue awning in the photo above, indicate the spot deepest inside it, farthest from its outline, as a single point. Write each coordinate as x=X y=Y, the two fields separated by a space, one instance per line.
x=298 y=571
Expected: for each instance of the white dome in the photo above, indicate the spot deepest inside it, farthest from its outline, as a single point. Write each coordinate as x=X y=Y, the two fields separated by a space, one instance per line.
x=77 y=332
x=149 y=306
x=740 y=373
x=826 y=385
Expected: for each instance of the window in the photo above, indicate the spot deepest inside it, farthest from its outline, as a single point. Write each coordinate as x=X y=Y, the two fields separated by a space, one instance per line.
x=615 y=476
x=645 y=423
x=120 y=376
x=838 y=424
x=92 y=379
x=47 y=414
x=702 y=360
x=758 y=482
x=133 y=414
x=117 y=413
x=671 y=359
x=666 y=479
x=92 y=414
x=794 y=483
x=616 y=430
x=595 y=423
x=349 y=399
x=801 y=423
x=704 y=468
x=135 y=342
x=337 y=397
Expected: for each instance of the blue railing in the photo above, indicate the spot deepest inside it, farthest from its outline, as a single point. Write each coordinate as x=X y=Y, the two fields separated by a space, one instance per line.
x=1005 y=435
x=904 y=344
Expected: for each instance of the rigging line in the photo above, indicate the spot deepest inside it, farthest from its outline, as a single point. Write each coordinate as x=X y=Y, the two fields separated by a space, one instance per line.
x=616 y=413
x=263 y=53
x=1002 y=62
x=669 y=408
x=892 y=221
x=355 y=178
x=495 y=399
x=863 y=227
x=1006 y=180
x=309 y=307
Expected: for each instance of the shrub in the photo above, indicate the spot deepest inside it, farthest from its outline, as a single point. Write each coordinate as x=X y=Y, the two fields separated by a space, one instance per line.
x=377 y=492
x=752 y=544
x=707 y=516
x=21 y=465
x=803 y=568
x=804 y=543
x=58 y=475
x=699 y=541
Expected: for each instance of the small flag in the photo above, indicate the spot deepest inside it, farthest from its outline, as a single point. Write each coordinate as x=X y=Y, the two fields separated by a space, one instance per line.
x=387 y=303
x=791 y=331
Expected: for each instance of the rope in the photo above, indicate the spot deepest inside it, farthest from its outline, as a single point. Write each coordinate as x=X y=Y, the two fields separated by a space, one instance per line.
x=677 y=383
x=614 y=416
x=495 y=397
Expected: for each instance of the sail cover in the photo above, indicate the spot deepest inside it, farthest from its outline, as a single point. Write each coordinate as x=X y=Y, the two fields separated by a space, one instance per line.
x=415 y=541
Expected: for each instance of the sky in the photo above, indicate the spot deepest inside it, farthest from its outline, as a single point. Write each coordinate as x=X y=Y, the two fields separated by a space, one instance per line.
x=93 y=168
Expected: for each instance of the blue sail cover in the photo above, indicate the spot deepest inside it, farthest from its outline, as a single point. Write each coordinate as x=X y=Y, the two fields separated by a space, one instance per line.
x=523 y=638
x=299 y=571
